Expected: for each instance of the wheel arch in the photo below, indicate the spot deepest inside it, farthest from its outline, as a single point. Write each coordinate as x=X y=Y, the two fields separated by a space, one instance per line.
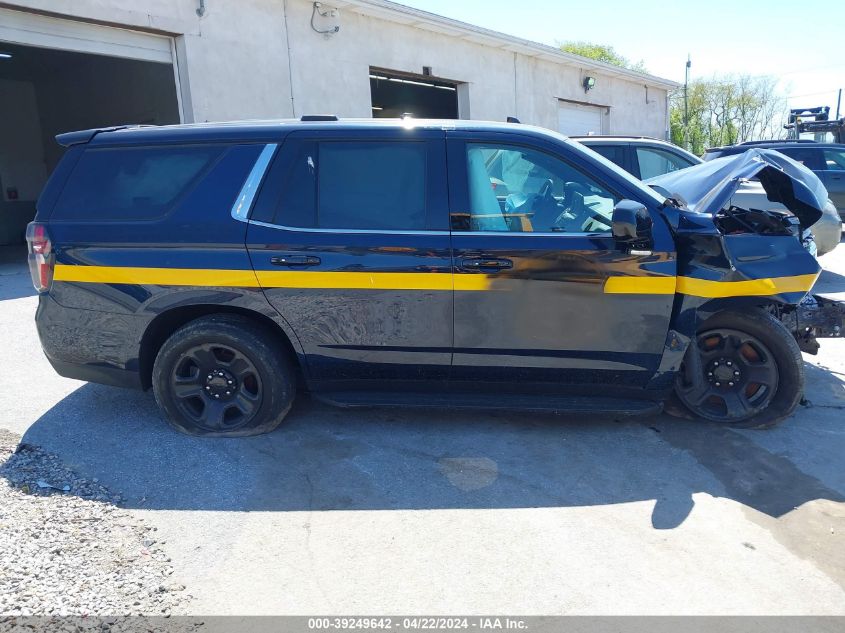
x=166 y=323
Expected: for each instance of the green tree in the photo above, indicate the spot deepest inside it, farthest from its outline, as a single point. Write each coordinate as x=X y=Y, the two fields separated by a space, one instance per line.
x=602 y=53
x=725 y=110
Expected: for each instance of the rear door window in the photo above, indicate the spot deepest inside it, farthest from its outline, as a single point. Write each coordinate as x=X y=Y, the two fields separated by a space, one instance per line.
x=366 y=185
x=132 y=183
x=811 y=158
x=613 y=153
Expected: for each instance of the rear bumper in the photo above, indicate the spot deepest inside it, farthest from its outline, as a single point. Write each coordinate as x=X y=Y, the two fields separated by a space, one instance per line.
x=102 y=374
x=90 y=345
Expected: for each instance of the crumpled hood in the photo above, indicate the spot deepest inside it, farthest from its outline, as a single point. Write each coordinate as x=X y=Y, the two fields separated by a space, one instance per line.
x=708 y=187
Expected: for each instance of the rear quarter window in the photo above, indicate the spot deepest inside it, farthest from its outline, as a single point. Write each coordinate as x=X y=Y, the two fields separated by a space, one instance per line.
x=132 y=183
x=810 y=157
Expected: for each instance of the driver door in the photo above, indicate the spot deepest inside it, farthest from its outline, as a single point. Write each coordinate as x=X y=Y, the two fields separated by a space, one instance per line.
x=533 y=251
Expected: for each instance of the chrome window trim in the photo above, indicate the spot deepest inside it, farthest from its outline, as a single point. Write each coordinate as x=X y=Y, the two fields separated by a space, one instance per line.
x=352 y=231
x=392 y=232
x=246 y=196
x=537 y=234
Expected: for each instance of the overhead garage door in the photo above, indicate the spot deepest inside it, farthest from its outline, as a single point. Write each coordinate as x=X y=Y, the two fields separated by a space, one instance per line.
x=576 y=119
x=20 y=27
x=58 y=75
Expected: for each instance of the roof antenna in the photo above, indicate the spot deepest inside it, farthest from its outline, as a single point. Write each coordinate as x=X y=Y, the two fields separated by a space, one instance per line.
x=513 y=119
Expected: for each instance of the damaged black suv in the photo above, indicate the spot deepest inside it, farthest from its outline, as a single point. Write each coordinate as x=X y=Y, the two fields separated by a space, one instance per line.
x=420 y=263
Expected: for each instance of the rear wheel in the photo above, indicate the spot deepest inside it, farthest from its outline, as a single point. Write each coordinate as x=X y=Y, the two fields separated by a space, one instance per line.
x=224 y=376
x=748 y=372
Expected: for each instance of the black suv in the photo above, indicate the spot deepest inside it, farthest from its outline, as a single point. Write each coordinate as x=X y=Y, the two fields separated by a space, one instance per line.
x=827 y=160
x=430 y=263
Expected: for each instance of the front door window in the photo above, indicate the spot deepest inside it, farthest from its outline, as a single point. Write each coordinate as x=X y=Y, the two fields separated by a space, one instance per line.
x=523 y=190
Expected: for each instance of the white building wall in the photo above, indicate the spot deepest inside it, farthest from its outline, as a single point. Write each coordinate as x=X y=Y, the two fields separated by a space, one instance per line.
x=329 y=74
x=235 y=61
x=233 y=64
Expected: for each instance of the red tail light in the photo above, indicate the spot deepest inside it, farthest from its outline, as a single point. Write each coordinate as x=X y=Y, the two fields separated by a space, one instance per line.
x=40 y=256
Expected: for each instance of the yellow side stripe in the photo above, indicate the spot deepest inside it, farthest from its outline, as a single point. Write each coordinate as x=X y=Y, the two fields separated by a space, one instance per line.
x=356 y=280
x=270 y=278
x=156 y=276
x=750 y=288
x=640 y=285
x=707 y=288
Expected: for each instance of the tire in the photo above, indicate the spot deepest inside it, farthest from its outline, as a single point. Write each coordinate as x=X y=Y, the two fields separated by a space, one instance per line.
x=223 y=376
x=751 y=368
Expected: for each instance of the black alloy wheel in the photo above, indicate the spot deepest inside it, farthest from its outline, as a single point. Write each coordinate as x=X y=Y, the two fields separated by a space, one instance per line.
x=740 y=377
x=224 y=375
x=744 y=369
x=217 y=387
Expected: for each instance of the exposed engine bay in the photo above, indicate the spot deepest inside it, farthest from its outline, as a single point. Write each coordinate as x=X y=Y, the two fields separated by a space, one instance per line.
x=736 y=220
x=709 y=189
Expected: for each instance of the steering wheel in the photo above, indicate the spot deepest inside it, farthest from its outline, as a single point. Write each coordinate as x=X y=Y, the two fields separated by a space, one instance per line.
x=545 y=195
x=545 y=205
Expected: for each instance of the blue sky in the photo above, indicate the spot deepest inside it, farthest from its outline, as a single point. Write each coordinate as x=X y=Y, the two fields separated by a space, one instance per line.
x=740 y=36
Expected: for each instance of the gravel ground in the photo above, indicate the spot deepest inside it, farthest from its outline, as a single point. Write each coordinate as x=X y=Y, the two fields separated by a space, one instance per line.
x=69 y=549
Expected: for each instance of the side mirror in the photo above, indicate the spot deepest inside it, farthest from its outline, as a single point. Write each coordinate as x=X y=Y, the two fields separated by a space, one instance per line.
x=632 y=224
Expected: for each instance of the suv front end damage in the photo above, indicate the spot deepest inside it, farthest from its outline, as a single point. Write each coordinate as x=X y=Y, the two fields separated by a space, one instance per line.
x=730 y=256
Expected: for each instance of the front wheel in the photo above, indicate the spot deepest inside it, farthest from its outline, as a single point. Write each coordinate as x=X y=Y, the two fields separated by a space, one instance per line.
x=744 y=370
x=225 y=376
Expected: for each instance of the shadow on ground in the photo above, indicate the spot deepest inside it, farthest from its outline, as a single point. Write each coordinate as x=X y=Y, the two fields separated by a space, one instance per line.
x=333 y=459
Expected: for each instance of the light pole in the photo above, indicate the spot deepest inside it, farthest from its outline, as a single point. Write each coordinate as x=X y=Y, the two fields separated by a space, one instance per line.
x=686 y=104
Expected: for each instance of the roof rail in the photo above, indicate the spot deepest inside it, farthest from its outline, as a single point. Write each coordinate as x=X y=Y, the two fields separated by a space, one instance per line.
x=618 y=136
x=318 y=117
x=80 y=137
x=783 y=140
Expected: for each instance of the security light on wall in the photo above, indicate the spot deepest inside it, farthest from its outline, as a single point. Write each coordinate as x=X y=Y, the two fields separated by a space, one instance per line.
x=589 y=83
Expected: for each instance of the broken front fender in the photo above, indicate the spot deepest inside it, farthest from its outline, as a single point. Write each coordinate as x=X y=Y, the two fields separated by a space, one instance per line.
x=719 y=272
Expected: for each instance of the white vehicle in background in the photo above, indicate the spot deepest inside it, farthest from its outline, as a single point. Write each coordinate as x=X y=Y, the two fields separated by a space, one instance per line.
x=647 y=158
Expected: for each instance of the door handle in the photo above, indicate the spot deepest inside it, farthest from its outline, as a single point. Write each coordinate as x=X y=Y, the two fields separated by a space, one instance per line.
x=295 y=260
x=486 y=263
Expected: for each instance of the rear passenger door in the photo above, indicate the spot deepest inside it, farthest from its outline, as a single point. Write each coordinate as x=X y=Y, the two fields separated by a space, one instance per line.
x=349 y=240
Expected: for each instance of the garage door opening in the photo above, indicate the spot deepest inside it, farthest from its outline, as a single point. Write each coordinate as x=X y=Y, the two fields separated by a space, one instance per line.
x=44 y=92
x=418 y=95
